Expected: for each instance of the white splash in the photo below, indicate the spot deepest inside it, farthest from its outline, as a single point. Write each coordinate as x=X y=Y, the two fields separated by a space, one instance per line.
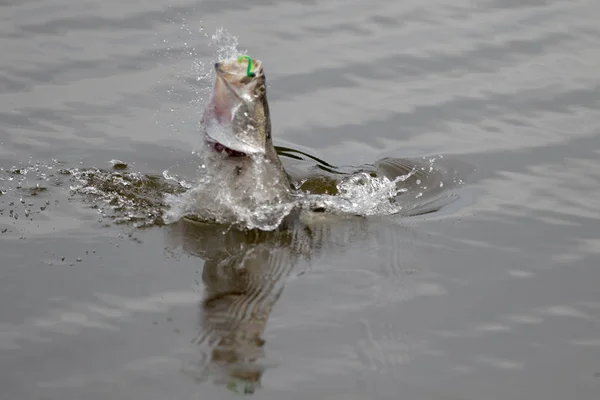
x=226 y=48
x=212 y=199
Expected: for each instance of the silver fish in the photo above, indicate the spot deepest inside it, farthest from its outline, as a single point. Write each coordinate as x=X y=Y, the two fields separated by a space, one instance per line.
x=237 y=127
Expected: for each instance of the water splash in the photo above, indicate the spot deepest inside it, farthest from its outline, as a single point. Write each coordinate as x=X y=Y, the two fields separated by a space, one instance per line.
x=226 y=47
x=124 y=196
x=357 y=193
x=385 y=188
x=130 y=197
x=24 y=192
x=30 y=188
x=215 y=199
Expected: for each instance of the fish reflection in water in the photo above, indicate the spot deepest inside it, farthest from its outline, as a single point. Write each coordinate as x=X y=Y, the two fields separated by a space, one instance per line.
x=244 y=275
x=245 y=271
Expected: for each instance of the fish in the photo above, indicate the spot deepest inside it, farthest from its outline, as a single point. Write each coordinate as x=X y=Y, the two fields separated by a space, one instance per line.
x=237 y=132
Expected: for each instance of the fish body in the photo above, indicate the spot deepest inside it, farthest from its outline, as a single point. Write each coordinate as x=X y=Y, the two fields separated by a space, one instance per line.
x=237 y=132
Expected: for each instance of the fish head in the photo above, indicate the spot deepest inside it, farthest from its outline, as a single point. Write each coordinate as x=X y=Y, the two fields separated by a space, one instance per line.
x=237 y=116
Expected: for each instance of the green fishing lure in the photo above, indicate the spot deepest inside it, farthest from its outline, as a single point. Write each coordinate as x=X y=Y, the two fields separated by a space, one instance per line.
x=249 y=70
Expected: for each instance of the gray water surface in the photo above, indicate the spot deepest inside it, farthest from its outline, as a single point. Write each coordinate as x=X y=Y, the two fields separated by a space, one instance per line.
x=494 y=297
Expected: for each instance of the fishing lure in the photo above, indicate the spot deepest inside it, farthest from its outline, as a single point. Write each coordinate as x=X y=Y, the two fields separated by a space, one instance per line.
x=249 y=70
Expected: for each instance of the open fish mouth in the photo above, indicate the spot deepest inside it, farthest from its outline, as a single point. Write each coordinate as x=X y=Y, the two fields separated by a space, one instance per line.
x=231 y=144
x=220 y=148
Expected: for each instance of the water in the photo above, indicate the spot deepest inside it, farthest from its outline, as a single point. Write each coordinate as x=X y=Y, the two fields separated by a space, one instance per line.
x=480 y=289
